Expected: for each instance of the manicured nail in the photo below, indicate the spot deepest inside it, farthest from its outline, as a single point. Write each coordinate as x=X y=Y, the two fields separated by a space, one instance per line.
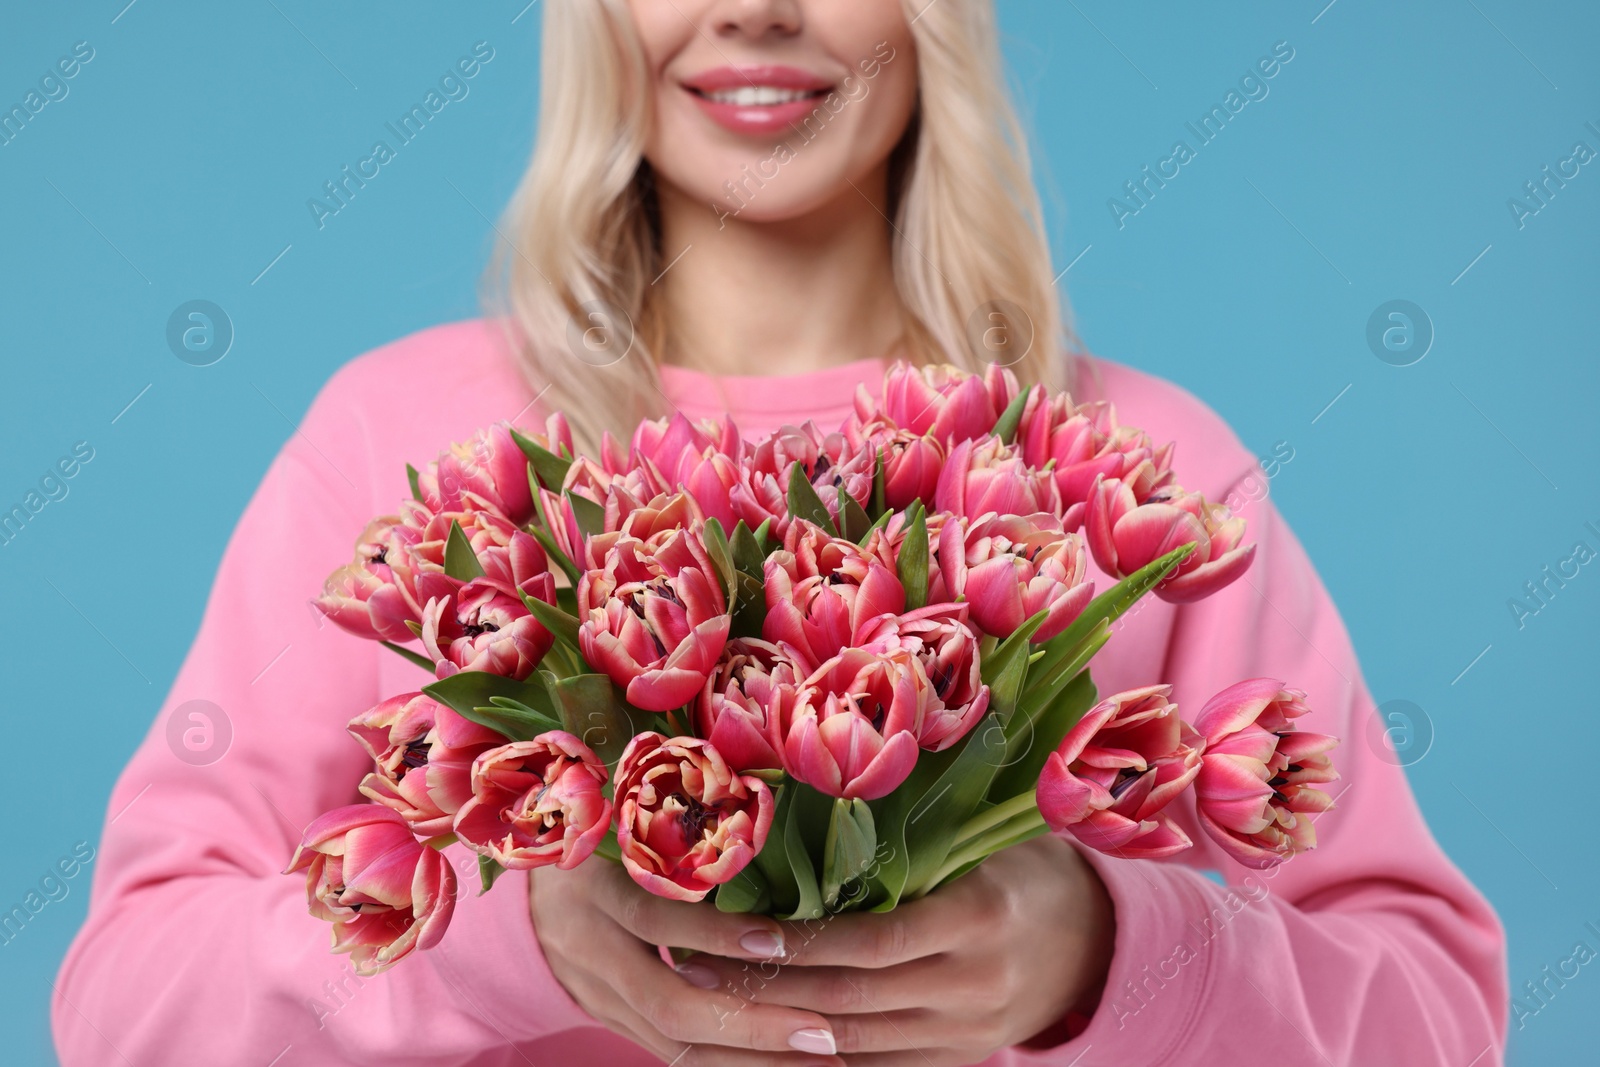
x=696 y=975
x=813 y=1040
x=763 y=943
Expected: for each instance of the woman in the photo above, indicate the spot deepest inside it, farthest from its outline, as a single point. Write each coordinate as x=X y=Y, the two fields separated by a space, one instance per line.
x=750 y=205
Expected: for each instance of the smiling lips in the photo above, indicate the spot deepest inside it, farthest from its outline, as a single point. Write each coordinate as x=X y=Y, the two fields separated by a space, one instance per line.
x=757 y=100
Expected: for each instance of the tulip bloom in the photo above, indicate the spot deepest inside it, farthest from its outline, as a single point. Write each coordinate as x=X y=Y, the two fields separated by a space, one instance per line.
x=941 y=400
x=946 y=647
x=481 y=628
x=385 y=892
x=1009 y=568
x=761 y=492
x=1114 y=772
x=654 y=618
x=821 y=591
x=536 y=803
x=372 y=596
x=751 y=690
x=1124 y=535
x=686 y=821
x=488 y=472
x=854 y=730
x=1085 y=442
x=423 y=752
x=1255 y=792
x=988 y=475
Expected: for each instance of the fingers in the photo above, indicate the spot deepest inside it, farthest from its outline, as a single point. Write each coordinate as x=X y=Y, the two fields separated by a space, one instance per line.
x=679 y=1010
x=828 y=990
x=681 y=924
x=912 y=931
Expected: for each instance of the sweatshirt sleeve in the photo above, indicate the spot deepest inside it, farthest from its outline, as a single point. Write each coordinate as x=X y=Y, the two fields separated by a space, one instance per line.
x=1372 y=949
x=194 y=938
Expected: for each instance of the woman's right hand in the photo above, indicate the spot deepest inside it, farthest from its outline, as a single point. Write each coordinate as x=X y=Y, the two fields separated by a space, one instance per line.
x=599 y=931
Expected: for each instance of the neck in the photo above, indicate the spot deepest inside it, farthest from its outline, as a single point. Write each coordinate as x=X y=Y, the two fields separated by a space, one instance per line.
x=779 y=297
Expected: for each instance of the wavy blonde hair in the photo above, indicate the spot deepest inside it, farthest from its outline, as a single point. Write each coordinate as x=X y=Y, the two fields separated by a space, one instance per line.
x=571 y=274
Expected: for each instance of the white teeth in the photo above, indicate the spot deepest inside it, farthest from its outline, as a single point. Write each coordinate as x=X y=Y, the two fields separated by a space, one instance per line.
x=757 y=96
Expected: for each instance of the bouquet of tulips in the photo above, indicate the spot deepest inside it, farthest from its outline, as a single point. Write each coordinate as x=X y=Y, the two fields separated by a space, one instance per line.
x=811 y=673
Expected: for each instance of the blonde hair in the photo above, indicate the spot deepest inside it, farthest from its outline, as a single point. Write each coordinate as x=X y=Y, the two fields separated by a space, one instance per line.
x=570 y=278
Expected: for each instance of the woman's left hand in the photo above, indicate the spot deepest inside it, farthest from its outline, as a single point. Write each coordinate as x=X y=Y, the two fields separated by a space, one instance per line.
x=983 y=963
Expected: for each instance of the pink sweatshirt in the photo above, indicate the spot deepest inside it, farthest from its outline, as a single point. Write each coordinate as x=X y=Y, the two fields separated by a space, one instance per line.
x=1372 y=950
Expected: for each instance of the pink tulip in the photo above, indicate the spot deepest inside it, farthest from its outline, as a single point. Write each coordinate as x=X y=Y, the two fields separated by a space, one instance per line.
x=372 y=597
x=1109 y=780
x=686 y=821
x=911 y=461
x=628 y=516
x=1086 y=442
x=948 y=403
x=751 y=690
x=385 y=892
x=480 y=627
x=986 y=475
x=854 y=730
x=1255 y=790
x=1124 y=535
x=821 y=591
x=940 y=639
x=536 y=803
x=763 y=487
x=488 y=472
x=654 y=618
x=423 y=752
x=1009 y=568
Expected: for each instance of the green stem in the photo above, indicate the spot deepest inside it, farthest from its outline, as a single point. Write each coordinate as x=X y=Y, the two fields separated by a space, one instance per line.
x=1012 y=833
x=1020 y=804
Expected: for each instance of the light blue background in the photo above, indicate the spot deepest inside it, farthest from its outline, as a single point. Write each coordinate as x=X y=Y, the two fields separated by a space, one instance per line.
x=1378 y=168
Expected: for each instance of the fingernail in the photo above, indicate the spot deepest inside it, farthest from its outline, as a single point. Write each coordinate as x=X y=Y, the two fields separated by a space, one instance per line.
x=696 y=975
x=813 y=1040
x=763 y=943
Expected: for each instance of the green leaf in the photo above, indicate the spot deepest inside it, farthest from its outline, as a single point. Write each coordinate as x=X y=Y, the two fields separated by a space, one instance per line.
x=415 y=657
x=591 y=707
x=851 y=842
x=748 y=555
x=591 y=517
x=880 y=523
x=1044 y=688
x=411 y=477
x=488 y=871
x=853 y=521
x=1028 y=752
x=460 y=562
x=716 y=542
x=920 y=819
x=1005 y=427
x=548 y=467
x=743 y=893
x=1105 y=608
x=773 y=776
x=520 y=711
x=785 y=860
x=804 y=503
x=773 y=859
x=912 y=561
x=805 y=813
x=1005 y=669
x=552 y=618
